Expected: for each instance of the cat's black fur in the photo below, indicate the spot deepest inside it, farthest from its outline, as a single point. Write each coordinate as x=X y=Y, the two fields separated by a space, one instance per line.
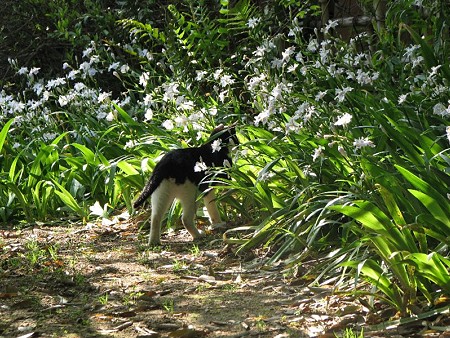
x=176 y=169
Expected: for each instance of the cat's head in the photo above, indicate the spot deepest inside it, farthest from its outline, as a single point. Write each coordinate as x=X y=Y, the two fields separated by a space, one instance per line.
x=227 y=134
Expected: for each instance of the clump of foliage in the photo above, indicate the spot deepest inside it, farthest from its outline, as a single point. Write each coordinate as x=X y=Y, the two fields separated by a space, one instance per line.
x=345 y=144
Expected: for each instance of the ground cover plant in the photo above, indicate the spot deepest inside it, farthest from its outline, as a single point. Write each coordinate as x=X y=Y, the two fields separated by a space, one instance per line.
x=344 y=156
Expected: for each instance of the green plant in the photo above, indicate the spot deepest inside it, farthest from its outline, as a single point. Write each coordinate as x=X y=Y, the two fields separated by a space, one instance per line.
x=103 y=299
x=169 y=305
x=34 y=254
x=132 y=297
x=344 y=155
x=349 y=333
x=178 y=265
x=195 y=250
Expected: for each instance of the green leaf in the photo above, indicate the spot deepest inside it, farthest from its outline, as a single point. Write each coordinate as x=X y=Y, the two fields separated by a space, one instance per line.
x=431 y=267
x=392 y=206
x=88 y=154
x=4 y=132
x=22 y=200
x=373 y=272
x=425 y=188
x=127 y=168
x=67 y=198
x=127 y=118
x=433 y=207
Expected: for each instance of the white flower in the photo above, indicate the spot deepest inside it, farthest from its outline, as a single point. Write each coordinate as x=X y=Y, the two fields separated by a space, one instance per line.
x=16 y=106
x=286 y=55
x=22 y=71
x=200 y=75
x=313 y=45
x=33 y=71
x=222 y=95
x=226 y=80
x=45 y=96
x=447 y=130
x=86 y=68
x=73 y=74
x=55 y=83
x=168 y=124
x=148 y=114
x=293 y=126
x=330 y=25
x=342 y=151
x=318 y=152
x=260 y=51
x=216 y=145
x=110 y=116
x=49 y=136
x=441 y=110
x=87 y=52
x=143 y=79
x=38 y=88
x=148 y=99
x=63 y=100
x=343 y=120
x=97 y=210
x=292 y=68
x=200 y=166
x=103 y=96
x=363 y=78
x=124 y=69
x=417 y=61
x=276 y=63
x=409 y=52
x=363 y=142
x=170 y=91
x=340 y=93
x=185 y=104
x=434 y=70
x=130 y=144
x=253 y=22
x=212 y=111
x=79 y=86
x=262 y=117
x=182 y=121
x=320 y=95
x=402 y=98
x=113 y=66
x=217 y=73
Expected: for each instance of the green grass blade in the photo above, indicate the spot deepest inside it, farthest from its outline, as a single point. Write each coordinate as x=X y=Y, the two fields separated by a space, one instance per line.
x=67 y=198
x=425 y=188
x=4 y=133
x=433 y=207
x=88 y=154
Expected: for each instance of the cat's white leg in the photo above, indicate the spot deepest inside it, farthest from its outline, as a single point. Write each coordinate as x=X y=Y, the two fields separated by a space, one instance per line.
x=162 y=197
x=189 y=204
x=211 y=206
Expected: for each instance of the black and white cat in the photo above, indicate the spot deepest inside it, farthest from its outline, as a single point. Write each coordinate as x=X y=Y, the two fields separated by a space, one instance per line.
x=180 y=174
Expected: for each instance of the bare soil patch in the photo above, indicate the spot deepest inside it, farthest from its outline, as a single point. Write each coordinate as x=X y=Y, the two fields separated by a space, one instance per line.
x=103 y=281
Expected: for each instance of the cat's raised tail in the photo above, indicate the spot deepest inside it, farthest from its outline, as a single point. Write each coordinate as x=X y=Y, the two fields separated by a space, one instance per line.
x=149 y=188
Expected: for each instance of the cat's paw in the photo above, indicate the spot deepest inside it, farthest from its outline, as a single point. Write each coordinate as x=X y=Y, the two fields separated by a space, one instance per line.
x=218 y=226
x=200 y=234
x=154 y=242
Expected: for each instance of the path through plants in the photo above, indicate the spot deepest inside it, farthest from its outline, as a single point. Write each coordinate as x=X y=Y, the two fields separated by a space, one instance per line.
x=103 y=281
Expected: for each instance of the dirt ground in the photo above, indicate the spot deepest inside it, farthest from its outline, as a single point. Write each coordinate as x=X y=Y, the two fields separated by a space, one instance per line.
x=67 y=280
